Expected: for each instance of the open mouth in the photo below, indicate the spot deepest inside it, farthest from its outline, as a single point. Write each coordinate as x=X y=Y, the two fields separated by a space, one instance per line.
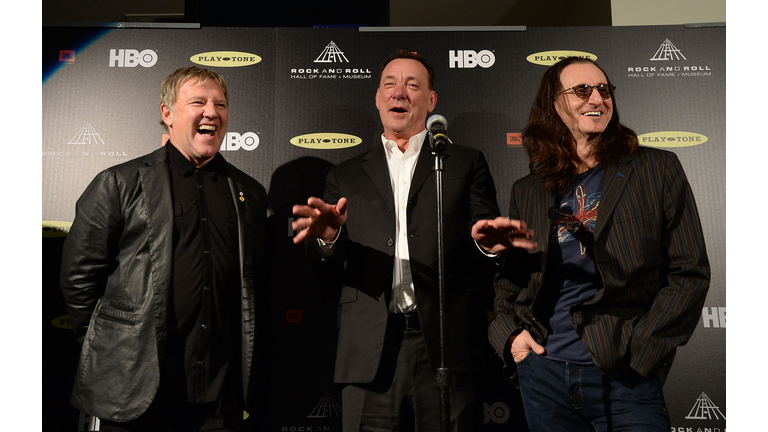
x=399 y=110
x=206 y=129
x=592 y=114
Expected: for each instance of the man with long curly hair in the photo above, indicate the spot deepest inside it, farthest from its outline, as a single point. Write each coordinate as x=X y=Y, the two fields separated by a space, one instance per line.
x=589 y=324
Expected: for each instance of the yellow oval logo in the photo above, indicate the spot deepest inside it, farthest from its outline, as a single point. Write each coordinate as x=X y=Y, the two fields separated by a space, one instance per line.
x=62 y=322
x=55 y=229
x=548 y=58
x=225 y=59
x=672 y=139
x=324 y=141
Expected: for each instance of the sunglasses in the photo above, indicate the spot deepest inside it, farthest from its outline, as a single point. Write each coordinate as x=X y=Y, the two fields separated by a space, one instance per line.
x=584 y=91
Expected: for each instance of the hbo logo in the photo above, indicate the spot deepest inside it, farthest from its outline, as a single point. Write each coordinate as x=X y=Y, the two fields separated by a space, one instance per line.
x=468 y=59
x=234 y=141
x=132 y=58
x=498 y=412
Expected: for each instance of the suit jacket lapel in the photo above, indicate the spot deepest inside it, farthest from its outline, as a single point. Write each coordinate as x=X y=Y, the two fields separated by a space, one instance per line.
x=375 y=165
x=543 y=205
x=616 y=179
x=424 y=168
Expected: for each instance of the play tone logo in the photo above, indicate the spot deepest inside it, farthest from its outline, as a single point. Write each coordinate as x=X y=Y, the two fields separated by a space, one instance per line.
x=548 y=58
x=62 y=322
x=326 y=141
x=53 y=229
x=225 y=59
x=672 y=139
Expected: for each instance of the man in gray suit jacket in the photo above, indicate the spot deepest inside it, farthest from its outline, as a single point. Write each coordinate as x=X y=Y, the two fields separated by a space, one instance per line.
x=159 y=271
x=378 y=220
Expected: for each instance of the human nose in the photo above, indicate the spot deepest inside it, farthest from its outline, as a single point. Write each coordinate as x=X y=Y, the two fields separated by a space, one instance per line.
x=594 y=96
x=210 y=111
x=399 y=91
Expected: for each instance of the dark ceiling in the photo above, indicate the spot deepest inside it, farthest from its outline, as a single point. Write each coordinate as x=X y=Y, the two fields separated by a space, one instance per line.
x=305 y=13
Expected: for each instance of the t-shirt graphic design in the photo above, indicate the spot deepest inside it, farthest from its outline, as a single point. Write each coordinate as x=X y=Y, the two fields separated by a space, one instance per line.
x=575 y=219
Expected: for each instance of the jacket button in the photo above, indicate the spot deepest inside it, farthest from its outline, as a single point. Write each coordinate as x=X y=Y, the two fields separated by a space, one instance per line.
x=390 y=242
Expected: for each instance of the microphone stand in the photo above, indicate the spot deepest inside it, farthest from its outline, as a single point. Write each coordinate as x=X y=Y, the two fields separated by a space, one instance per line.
x=443 y=374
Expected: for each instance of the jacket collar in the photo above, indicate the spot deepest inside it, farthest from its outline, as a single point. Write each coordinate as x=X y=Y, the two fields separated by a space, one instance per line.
x=616 y=179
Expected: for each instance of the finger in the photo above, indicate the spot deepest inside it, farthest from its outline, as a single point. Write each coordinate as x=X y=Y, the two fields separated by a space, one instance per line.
x=317 y=203
x=302 y=210
x=298 y=238
x=524 y=244
x=300 y=224
x=341 y=206
x=515 y=224
x=479 y=227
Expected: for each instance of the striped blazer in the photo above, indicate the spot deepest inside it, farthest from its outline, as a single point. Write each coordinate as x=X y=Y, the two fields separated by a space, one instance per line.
x=650 y=251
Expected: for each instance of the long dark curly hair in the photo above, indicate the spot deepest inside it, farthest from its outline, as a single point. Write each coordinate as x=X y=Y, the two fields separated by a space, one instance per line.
x=550 y=144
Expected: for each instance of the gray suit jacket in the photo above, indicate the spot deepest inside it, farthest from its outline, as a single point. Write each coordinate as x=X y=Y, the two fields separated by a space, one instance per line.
x=116 y=278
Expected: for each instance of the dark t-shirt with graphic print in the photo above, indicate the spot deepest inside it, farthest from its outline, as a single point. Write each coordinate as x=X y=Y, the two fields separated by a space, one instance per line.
x=571 y=276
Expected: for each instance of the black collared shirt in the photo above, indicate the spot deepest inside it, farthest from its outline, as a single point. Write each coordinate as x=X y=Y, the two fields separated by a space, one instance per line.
x=203 y=345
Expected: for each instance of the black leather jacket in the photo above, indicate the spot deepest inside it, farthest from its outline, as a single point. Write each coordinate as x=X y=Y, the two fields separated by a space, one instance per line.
x=116 y=274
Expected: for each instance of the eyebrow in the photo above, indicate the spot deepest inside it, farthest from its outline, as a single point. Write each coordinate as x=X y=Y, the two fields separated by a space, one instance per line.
x=407 y=79
x=203 y=98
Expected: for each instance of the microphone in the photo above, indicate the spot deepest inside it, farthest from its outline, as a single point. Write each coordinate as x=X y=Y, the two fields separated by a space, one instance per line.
x=437 y=126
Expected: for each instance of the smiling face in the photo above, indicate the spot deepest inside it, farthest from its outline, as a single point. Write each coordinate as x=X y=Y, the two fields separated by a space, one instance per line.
x=404 y=98
x=586 y=119
x=197 y=123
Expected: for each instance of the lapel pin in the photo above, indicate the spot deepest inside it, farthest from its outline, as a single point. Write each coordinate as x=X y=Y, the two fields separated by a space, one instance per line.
x=242 y=198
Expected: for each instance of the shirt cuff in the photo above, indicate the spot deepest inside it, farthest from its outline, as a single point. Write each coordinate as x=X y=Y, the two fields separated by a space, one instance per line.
x=486 y=253
x=328 y=246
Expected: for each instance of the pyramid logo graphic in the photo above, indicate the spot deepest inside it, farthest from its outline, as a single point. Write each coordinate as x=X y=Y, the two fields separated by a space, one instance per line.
x=327 y=407
x=331 y=54
x=87 y=135
x=705 y=409
x=667 y=51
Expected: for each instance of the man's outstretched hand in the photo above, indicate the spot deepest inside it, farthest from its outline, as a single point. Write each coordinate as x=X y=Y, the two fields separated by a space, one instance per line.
x=318 y=219
x=500 y=234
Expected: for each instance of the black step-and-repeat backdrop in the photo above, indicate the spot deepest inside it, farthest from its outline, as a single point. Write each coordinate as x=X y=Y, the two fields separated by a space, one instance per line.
x=303 y=99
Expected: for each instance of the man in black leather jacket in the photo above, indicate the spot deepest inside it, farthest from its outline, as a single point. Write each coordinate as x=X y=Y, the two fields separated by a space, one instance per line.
x=159 y=273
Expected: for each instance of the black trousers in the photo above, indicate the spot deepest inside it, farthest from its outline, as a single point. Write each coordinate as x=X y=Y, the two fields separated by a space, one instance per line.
x=405 y=395
x=170 y=416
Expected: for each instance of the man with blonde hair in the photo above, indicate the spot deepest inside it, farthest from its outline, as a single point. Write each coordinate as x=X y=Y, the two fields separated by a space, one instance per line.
x=159 y=272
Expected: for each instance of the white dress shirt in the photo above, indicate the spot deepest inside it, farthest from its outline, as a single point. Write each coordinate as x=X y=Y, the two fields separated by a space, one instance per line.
x=401 y=166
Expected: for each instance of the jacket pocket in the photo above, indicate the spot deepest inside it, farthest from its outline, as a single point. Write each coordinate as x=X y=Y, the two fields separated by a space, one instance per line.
x=117 y=312
x=348 y=295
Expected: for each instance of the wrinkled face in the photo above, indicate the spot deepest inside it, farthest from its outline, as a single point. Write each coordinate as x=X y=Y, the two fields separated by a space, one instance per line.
x=404 y=98
x=586 y=119
x=197 y=123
